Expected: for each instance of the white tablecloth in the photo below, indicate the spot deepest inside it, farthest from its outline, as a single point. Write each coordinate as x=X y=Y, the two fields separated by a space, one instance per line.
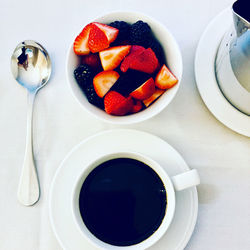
x=221 y=155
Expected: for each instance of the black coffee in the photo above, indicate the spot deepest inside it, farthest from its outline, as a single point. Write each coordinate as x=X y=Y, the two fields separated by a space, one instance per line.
x=122 y=201
x=241 y=7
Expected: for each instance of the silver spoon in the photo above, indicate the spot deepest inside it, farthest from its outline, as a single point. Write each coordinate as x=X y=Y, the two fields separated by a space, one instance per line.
x=31 y=67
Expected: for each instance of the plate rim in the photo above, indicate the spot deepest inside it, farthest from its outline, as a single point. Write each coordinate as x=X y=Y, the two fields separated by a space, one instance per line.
x=210 y=93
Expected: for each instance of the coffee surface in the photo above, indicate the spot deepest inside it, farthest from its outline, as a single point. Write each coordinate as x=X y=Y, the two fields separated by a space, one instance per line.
x=122 y=201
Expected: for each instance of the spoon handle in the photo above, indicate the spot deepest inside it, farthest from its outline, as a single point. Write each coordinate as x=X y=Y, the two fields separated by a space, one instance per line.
x=28 y=190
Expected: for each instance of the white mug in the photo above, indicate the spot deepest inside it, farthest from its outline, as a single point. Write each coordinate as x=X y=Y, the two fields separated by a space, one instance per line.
x=172 y=184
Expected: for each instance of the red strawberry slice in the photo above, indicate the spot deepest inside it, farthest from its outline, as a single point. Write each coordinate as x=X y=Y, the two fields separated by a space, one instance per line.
x=134 y=51
x=110 y=32
x=137 y=106
x=125 y=107
x=112 y=57
x=145 y=90
x=104 y=81
x=92 y=60
x=146 y=62
x=117 y=104
x=81 y=42
x=112 y=100
x=165 y=79
x=152 y=98
x=97 y=39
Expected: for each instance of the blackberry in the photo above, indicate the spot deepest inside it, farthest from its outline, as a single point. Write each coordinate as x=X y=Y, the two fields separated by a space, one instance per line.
x=92 y=97
x=140 y=33
x=123 y=28
x=130 y=81
x=158 y=50
x=83 y=75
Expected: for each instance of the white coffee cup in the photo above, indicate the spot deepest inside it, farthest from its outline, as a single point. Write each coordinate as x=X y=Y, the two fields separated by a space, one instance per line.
x=172 y=184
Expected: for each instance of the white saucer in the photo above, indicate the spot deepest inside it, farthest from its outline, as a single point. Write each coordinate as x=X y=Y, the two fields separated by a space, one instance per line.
x=61 y=216
x=205 y=75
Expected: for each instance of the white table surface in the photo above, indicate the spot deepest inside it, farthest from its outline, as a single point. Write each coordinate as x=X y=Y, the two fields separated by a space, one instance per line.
x=221 y=155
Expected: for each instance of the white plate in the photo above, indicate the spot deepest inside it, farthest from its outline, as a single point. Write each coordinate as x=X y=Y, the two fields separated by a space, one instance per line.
x=61 y=216
x=205 y=75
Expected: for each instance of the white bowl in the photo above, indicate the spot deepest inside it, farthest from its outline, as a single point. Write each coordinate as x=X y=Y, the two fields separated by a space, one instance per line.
x=173 y=58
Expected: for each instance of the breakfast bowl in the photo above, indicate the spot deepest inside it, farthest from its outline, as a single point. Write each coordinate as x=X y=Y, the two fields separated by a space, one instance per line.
x=172 y=58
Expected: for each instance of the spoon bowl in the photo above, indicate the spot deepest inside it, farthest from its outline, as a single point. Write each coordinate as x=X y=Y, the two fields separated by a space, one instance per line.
x=31 y=68
x=31 y=65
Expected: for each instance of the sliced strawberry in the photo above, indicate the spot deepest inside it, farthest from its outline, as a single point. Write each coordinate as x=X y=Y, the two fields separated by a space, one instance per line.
x=134 y=51
x=104 y=81
x=146 y=62
x=145 y=90
x=117 y=104
x=81 y=42
x=97 y=39
x=112 y=57
x=140 y=59
x=112 y=100
x=137 y=106
x=125 y=107
x=110 y=32
x=92 y=60
x=165 y=79
x=152 y=98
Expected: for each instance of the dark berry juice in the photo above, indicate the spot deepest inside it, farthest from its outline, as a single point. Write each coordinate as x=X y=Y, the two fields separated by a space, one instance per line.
x=123 y=201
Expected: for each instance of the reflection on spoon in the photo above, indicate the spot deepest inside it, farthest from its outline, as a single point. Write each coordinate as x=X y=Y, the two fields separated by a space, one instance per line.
x=31 y=67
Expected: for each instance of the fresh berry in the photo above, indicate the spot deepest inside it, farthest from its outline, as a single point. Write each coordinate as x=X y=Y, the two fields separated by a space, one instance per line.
x=165 y=78
x=125 y=107
x=110 y=32
x=92 y=97
x=145 y=90
x=152 y=98
x=97 y=39
x=81 y=42
x=124 y=29
x=130 y=81
x=112 y=100
x=92 y=60
x=104 y=81
x=137 y=106
x=146 y=62
x=158 y=50
x=116 y=104
x=140 y=33
x=134 y=52
x=112 y=57
x=83 y=75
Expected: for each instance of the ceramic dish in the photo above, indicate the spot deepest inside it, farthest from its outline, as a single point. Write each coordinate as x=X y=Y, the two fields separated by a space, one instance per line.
x=205 y=76
x=60 y=201
x=173 y=57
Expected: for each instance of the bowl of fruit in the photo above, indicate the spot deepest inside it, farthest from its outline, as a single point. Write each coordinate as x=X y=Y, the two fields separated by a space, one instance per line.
x=124 y=67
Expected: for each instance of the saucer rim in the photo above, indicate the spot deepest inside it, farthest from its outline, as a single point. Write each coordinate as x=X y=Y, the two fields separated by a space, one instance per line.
x=206 y=82
x=192 y=191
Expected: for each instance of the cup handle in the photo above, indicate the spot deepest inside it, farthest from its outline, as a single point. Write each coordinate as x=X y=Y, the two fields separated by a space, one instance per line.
x=185 y=180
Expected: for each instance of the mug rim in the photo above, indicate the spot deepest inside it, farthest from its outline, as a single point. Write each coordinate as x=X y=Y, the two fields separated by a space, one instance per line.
x=157 y=168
